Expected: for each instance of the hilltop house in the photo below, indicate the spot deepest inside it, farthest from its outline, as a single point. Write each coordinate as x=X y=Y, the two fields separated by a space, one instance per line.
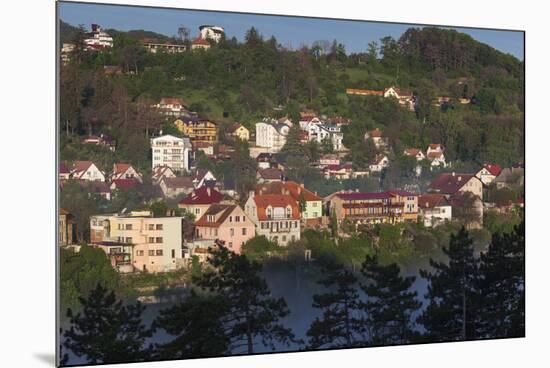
x=276 y=216
x=160 y=172
x=198 y=129
x=172 y=107
x=435 y=155
x=488 y=173
x=138 y=241
x=199 y=200
x=239 y=131
x=404 y=97
x=416 y=153
x=171 y=151
x=209 y=32
x=226 y=223
x=451 y=183
x=97 y=39
x=380 y=142
x=172 y=187
x=434 y=209
x=341 y=172
x=271 y=134
x=379 y=163
x=101 y=140
x=200 y=44
x=125 y=171
x=86 y=170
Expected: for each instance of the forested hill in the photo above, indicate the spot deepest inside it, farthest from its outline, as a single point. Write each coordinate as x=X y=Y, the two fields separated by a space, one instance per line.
x=245 y=81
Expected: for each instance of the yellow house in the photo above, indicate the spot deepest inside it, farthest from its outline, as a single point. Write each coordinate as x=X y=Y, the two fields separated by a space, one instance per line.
x=239 y=131
x=198 y=130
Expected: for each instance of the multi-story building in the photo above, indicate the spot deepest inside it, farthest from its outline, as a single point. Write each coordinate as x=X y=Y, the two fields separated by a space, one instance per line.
x=226 y=223
x=276 y=216
x=171 y=151
x=198 y=130
x=312 y=203
x=373 y=208
x=271 y=134
x=172 y=107
x=211 y=32
x=97 y=39
x=434 y=209
x=322 y=133
x=139 y=242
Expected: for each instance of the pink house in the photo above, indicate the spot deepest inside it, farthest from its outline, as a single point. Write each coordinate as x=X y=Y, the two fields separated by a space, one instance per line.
x=227 y=223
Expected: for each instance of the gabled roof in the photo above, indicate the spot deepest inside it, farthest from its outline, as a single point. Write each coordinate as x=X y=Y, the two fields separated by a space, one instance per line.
x=222 y=211
x=434 y=155
x=263 y=201
x=450 y=183
x=200 y=41
x=159 y=171
x=234 y=127
x=494 y=169
x=202 y=195
x=270 y=173
x=413 y=152
x=377 y=159
x=81 y=165
x=120 y=168
x=376 y=133
x=63 y=169
x=435 y=146
x=432 y=201
x=178 y=182
x=125 y=183
x=171 y=101
x=288 y=187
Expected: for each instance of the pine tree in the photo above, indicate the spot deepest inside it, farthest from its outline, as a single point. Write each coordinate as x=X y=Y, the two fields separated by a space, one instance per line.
x=451 y=314
x=390 y=303
x=341 y=324
x=251 y=314
x=502 y=286
x=106 y=331
x=197 y=327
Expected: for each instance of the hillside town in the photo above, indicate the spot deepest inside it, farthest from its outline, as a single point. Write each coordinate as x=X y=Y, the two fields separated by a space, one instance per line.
x=201 y=209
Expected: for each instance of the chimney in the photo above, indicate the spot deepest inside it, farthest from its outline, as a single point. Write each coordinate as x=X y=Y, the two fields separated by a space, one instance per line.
x=208 y=191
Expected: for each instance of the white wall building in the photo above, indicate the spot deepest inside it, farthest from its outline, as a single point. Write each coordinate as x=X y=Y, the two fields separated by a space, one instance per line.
x=271 y=134
x=321 y=132
x=213 y=32
x=434 y=209
x=97 y=39
x=171 y=151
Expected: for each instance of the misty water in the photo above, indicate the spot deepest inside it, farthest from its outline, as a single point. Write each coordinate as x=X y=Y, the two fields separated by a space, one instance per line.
x=296 y=285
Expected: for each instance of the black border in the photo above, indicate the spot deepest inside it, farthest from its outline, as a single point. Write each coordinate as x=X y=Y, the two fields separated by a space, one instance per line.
x=57 y=112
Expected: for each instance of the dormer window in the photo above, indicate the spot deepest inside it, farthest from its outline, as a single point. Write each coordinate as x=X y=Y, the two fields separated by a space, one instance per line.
x=269 y=212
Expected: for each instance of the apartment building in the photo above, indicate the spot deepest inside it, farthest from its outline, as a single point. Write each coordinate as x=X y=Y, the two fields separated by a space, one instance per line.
x=171 y=151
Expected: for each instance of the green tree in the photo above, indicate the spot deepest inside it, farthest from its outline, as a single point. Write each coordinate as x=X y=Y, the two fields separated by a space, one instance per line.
x=196 y=324
x=252 y=313
x=502 y=286
x=107 y=331
x=341 y=323
x=451 y=313
x=390 y=304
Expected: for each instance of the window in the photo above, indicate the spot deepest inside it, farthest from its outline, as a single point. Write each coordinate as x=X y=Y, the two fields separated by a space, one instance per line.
x=159 y=239
x=151 y=227
x=139 y=253
x=232 y=232
x=314 y=204
x=159 y=226
x=128 y=226
x=151 y=239
x=197 y=211
x=230 y=218
x=151 y=252
x=288 y=212
x=244 y=231
x=173 y=253
x=284 y=238
x=293 y=237
x=129 y=239
x=269 y=213
x=237 y=218
x=215 y=232
x=230 y=245
x=159 y=252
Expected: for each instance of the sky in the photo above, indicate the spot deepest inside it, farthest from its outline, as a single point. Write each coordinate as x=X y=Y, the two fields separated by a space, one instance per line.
x=289 y=31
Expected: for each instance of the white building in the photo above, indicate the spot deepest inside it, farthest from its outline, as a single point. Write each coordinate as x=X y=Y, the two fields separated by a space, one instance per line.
x=97 y=39
x=322 y=132
x=435 y=155
x=271 y=134
x=434 y=209
x=379 y=163
x=86 y=170
x=171 y=151
x=213 y=32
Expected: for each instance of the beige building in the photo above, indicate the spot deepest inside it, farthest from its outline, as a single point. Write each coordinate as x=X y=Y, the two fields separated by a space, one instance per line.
x=138 y=241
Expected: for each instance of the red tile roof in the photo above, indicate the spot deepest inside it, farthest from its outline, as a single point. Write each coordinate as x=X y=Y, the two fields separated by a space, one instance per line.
x=494 y=169
x=288 y=187
x=125 y=183
x=63 y=169
x=432 y=200
x=81 y=165
x=200 y=41
x=203 y=195
x=413 y=152
x=120 y=168
x=450 y=183
x=275 y=200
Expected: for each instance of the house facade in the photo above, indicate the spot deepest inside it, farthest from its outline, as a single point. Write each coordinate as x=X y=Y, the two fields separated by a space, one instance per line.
x=226 y=223
x=125 y=171
x=239 y=131
x=488 y=173
x=313 y=204
x=199 y=200
x=172 y=107
x=379 y=163
x=451 y=183
x=86 y=170
x=171 y=151
x=434 y=209
x=198 y=130
x=271 y=134
x=97 y=39
x=275 y=216
x=138 y=241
